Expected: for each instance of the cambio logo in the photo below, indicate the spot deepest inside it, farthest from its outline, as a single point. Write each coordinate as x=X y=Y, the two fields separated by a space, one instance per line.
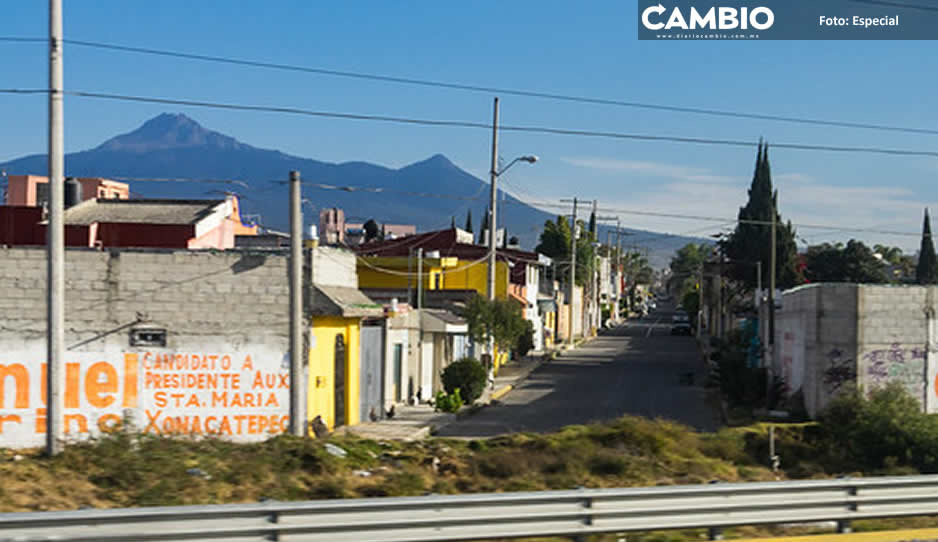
x=722 y=18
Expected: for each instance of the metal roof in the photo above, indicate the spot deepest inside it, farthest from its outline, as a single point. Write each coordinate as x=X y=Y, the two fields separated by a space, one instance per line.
x=140 y=211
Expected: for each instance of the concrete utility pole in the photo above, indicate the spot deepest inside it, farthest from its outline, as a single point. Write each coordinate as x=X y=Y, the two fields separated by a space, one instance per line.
x=493 y=224
x=618 y=270
x=572 y=272
x=55 y=239
x=594 y=314
x=297 y=423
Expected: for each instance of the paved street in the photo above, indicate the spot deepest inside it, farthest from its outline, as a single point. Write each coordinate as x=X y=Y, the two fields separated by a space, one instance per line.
x=638 y=369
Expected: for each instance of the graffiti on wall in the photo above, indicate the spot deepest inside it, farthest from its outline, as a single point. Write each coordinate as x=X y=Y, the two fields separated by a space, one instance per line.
x=898 y=363
x=841 y=371
x=235 y=395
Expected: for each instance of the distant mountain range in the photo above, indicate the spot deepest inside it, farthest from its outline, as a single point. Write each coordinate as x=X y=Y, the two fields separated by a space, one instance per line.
x=175 y=146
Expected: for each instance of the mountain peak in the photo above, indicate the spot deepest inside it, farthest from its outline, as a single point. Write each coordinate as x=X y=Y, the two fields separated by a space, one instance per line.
x=170 y=131
x=437 y=161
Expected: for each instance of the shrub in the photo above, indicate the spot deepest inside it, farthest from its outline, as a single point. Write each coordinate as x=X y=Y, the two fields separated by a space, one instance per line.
x=526 y=340
x=445 y=402
x=466 y=375
x=885 y=431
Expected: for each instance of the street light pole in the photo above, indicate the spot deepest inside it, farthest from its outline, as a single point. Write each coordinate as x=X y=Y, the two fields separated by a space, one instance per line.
x=493 y=175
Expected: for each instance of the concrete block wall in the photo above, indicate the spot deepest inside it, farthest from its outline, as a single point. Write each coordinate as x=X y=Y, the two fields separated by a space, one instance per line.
x=863 y=335
x=225 y=317
x=893 y=337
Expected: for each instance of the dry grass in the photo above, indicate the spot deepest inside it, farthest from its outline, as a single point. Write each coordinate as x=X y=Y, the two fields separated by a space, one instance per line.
x=123 y=470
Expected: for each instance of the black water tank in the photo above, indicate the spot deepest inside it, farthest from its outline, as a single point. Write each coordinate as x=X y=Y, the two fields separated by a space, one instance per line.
x=72 y=192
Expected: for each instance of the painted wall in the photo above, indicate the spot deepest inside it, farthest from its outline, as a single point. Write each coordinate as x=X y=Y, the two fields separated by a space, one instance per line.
x=222 y=369
x=469 y=276
x=381 y=272
x=395 y=387
x=322 y=378
x=334 y=267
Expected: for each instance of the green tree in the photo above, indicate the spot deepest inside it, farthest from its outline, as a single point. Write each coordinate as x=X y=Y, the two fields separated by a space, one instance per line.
x=926 y=272
x=593 y=225
x=452 y=222
x=854 y=262
x=468 y=227
x=503 y=320
x=685 y=267
x=751 y=241
x=372 y=230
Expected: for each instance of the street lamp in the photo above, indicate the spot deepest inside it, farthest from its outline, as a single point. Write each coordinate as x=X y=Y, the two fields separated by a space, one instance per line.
x=493 y=224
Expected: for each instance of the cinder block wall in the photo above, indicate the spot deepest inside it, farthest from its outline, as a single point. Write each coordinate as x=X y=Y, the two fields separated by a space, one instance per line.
x=240 y=295
x=815 y=336
x=222 y=370
x=894 y=332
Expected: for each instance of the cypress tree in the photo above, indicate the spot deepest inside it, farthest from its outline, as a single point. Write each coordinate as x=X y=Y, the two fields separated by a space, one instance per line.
x=468 y=227
x=751 y=241
x=593 y=225
x=452 y=222
x=926 y=272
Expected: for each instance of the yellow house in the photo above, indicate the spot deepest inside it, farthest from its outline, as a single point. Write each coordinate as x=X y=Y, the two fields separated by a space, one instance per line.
x=442 y=273
x=401 y=272
x=336 y=308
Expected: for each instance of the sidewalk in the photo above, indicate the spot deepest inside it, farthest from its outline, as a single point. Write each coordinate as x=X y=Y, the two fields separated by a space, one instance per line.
x=418 y=422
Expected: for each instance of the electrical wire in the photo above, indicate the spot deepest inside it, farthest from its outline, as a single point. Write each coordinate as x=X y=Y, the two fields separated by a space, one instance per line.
x=501 y=90
x=485 y=126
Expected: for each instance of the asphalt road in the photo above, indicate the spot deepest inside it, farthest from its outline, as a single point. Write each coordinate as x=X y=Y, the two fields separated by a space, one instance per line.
x=639 y=369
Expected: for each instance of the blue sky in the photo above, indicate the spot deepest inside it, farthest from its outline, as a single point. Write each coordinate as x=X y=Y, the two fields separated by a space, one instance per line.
x=556 y=46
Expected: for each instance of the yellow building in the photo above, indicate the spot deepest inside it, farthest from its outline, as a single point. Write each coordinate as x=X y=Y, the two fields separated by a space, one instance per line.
x=339 y=362
x=446 y=273
x=400 y=272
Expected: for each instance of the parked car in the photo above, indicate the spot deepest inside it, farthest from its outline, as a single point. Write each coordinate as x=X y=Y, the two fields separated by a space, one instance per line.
x=680 y=324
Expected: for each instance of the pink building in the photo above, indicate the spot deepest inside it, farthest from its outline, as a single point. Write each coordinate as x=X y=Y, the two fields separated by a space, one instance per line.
x=33 y=191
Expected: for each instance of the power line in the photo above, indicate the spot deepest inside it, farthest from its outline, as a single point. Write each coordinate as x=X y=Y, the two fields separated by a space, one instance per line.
x=180 y=180
x=723 y=220
x=500 y=90
x=14 y=39
x=485 y=126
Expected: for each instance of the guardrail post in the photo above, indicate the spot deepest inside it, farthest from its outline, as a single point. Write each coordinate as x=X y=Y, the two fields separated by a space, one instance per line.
x=275 y=519
x=715 y=533
x=843 y=525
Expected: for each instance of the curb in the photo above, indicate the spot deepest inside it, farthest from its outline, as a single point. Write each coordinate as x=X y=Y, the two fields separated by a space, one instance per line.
x=497 y=394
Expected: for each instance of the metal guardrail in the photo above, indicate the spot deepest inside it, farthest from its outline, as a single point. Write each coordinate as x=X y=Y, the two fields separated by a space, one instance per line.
x=574 y=513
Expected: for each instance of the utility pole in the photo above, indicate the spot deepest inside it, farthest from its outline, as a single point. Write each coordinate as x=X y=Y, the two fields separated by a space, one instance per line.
x=297 y=423
x=618 y=269
x=55 y=239
x=493 y=224
x=594 y=313
x=700 y=296
x=572 y=272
